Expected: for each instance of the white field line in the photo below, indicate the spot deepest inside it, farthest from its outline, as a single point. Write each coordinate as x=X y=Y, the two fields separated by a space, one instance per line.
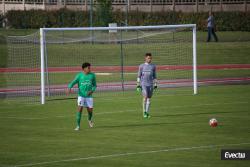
x=134 y=153
x=107 y=74
x=104 y=73
x=61 y=72
x=155 y=95
x=122 y=111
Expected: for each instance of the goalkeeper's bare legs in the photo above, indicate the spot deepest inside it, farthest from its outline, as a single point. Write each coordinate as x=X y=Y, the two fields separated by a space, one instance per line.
x=147 y=92
x=146 y=106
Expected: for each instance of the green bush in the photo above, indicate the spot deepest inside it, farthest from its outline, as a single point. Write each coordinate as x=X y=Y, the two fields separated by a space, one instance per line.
x=1 y=20
x=40 y=18
x=225 y=21
x=104 y=12
x=26 y=19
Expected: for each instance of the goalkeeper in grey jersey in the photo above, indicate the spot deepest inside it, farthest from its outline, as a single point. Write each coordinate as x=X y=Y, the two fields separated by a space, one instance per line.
x=146 y=82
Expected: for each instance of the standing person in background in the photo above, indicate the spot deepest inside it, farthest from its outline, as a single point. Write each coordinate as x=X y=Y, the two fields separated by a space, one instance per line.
x=211 y=27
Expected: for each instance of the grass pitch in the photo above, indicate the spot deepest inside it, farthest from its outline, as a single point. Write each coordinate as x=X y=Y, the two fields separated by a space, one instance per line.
x=177 y=134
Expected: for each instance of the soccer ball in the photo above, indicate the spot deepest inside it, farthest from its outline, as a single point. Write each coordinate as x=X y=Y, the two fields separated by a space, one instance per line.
x=213 y=122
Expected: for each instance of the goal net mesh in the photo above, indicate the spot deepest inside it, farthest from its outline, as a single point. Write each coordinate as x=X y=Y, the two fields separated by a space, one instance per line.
x=114 y=55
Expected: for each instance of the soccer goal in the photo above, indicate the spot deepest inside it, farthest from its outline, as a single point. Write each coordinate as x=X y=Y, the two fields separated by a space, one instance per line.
x=47 y=61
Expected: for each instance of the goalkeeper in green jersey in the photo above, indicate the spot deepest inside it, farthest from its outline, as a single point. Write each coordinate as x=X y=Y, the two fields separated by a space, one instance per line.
x=86 y=82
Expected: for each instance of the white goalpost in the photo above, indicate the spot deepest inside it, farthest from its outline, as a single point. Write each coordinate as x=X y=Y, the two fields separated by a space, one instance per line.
x=194 y=61
x=44 y=31
x=42 y=43
x=40 y=65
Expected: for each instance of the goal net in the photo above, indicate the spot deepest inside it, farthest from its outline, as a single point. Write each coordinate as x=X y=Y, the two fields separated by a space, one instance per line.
x=42 y=64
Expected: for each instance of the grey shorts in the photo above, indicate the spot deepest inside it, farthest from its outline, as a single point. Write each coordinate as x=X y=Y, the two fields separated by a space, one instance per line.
x=147 y=91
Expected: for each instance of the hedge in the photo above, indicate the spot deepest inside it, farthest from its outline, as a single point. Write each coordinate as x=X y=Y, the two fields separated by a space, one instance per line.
x=1 y=20
x=225 y=21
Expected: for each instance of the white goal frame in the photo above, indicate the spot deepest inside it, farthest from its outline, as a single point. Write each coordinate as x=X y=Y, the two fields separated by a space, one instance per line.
x=43 y=45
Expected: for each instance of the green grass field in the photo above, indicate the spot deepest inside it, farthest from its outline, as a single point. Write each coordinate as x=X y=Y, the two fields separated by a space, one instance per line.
x=177 y=134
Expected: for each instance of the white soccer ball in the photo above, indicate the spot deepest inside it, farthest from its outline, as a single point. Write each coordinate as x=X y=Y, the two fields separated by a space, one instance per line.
x=213 y=122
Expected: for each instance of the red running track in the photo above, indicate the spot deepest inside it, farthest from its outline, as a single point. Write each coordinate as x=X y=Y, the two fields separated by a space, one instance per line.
x=128 y=68
x=131 y=84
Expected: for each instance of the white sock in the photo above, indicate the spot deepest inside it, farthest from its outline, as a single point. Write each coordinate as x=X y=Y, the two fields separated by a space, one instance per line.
x=144 y=105
x=147 y=105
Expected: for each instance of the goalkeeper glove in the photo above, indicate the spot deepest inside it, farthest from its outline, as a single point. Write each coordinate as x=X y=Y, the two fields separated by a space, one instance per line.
x=155 y=86
x=138 y=88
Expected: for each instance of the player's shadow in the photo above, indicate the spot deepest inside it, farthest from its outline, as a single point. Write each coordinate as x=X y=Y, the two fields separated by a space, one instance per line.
x=145 y=124
x=167 y=123
x=194 y=114
x=61 y=99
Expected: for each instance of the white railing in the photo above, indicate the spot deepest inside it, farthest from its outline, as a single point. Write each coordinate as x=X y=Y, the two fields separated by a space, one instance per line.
x=142 y=5
x=125 y=2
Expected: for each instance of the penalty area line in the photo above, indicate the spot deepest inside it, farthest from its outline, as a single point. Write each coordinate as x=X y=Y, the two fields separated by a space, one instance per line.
x=135 y=153
x=103 y=74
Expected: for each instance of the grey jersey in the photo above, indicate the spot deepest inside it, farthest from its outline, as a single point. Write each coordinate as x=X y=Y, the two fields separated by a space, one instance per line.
x=147 y=74
x=210 y=21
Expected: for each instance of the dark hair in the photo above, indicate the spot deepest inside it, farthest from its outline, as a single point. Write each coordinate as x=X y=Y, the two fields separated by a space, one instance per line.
x=84 y=65
x=148 y=54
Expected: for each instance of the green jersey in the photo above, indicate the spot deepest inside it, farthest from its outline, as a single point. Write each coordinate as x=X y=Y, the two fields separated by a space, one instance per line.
x=86 y=83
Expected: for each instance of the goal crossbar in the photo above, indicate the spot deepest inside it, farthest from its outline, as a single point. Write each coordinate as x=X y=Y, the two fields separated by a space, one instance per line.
x=119 y=28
